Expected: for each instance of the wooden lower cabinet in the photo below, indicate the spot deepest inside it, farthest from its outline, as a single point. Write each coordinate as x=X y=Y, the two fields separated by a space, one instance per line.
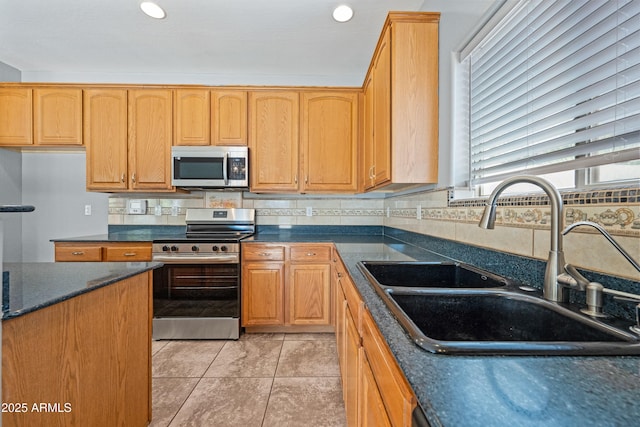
x=286 y=287
x=371 y=406
x=102 y=251
x=88 y=357
x=263 y=294
x=375 y=391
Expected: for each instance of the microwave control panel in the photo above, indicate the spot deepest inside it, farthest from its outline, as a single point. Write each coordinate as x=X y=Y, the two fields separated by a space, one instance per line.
x=237 y=168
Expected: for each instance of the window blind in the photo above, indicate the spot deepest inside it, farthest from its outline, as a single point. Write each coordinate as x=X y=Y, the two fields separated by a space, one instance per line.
x=555 y=87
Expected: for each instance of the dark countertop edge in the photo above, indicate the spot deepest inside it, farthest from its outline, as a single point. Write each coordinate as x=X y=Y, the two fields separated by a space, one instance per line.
x=100 y=283
x=16 y=208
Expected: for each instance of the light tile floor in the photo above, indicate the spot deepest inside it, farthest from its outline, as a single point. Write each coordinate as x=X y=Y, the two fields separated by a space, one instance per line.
x=263 y=380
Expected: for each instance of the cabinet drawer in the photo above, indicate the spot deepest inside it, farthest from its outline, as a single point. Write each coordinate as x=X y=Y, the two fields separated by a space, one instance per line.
x=262 y=252
x=310 y=253
x=78 y=253
x=128 y=253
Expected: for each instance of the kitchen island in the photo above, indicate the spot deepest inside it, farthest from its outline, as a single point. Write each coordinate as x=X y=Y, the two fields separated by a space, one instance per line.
x=482 y=390
x=76 y=344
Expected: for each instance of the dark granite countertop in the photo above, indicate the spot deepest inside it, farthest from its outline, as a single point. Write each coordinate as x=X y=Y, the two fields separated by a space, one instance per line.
x=16 y=208
x=32 y=286
x=130 y=234
x=485 y=390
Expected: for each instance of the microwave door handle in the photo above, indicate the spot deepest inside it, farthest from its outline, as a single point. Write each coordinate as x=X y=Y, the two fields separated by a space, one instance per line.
x=225 y=166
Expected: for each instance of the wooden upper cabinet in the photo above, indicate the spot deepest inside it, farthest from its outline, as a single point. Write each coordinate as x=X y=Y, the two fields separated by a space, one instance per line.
x=414 y=97
x=15 y=116
x=402 y=85
x=273 y=141
x=366 y=129
x=150 y=137
x=57 y=115
x=329 y=138
x=105 y=135
x=192 y=117
x=229 y=117
x=381 y=171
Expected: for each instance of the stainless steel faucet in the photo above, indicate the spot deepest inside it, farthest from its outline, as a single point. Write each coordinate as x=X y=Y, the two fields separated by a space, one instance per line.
x=551 y=289
x=559 y=276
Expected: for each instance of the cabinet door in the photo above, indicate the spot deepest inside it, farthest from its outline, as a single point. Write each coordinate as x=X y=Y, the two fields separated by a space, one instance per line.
x=368 y=123
x=396 y=393
x=192 y=117
x=309 y=294
x=105 y=135
x=352 y=369
x=372 y=410
x=262 y=294
x=329 y=138
x=229 y=122
x=150 y=136
x=273 y=141
x=57 y=116
x=15 y=116
x=382 y=112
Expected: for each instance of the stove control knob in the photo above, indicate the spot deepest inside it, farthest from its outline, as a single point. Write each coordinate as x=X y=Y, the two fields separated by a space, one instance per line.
x=165 y=248
x=223 y=249
x=215 y=249
x=194 y=248
x=174 y=248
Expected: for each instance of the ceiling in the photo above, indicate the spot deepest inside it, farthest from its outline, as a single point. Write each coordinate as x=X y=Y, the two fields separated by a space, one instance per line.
x=200 y=41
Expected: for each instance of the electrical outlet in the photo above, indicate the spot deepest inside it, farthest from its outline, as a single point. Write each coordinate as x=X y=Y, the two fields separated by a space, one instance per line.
x=309 y=211
x=419 y=212
x=87 y=209
x=158 y=210
x=388 y=211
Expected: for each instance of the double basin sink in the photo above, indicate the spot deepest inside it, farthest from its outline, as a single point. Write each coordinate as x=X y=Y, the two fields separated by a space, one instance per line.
x=453 y=308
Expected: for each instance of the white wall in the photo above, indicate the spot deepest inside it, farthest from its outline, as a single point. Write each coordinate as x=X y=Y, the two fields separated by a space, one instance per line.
x=11 y=194
x=55 y=184
x=11 y=185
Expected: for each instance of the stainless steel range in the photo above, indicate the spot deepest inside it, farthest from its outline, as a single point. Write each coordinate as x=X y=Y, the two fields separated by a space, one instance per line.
x=196 y=295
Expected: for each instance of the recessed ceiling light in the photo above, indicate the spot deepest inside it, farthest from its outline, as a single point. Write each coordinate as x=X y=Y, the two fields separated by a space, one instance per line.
x=152 y=9
x=342 y=13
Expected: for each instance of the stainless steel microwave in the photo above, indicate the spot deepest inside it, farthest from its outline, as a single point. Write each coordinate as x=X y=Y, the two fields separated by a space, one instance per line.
x=210 y=167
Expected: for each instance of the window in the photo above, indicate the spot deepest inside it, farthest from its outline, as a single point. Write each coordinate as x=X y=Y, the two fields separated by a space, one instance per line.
x=554 y=90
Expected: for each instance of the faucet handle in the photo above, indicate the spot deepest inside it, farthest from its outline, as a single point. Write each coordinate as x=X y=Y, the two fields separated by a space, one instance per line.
x=581 y=281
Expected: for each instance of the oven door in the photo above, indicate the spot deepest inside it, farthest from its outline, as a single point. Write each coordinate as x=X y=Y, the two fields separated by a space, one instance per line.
x=197 y=290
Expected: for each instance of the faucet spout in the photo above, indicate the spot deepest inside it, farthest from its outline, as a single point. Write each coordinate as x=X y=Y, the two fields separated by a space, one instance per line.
x=607 y=236
x=552 y=290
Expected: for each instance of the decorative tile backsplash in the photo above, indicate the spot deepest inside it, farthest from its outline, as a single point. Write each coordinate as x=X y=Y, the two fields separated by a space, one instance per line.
x=522 y=221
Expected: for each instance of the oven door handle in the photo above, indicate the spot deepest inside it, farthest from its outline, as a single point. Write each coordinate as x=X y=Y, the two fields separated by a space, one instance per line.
x=217 y=259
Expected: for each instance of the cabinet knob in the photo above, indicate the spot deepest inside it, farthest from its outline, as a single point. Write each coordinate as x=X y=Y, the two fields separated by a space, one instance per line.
x=311 y=254
x=130 y=254
x=77 y=253
x=133 y=177
x=295 y=179
x=122 y=178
